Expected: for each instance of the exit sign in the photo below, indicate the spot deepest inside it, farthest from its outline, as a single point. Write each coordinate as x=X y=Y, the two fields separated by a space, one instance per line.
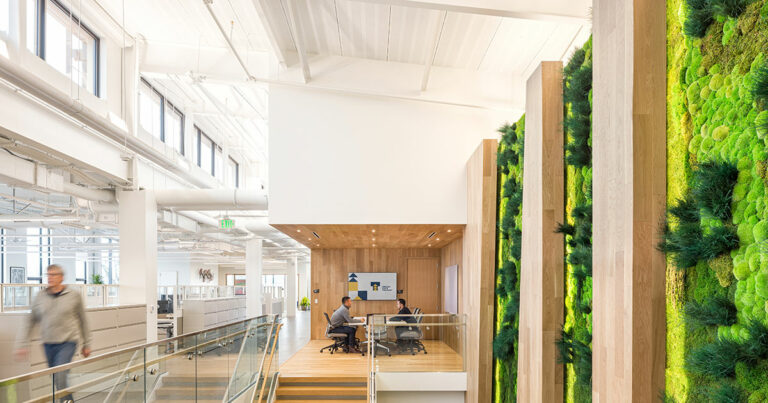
x=226 y=223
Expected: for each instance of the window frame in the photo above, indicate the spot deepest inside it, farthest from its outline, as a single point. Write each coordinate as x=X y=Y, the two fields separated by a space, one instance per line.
x=237 y=171
x=40 y=45
x=200 y=134
x=164 y=105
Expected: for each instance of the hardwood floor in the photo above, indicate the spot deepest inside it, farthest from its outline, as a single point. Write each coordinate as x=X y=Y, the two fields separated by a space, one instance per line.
x=309 y=362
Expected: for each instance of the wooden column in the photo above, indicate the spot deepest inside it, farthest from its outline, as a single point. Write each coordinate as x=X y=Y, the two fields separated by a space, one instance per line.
x=540 y=377
x=478 y=271
x=629 y=191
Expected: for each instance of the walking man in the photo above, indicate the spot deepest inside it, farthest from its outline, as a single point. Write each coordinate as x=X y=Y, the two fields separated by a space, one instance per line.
x=61 y=315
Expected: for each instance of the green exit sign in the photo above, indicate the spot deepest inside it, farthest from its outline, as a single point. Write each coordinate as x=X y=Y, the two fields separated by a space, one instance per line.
x=226 y=223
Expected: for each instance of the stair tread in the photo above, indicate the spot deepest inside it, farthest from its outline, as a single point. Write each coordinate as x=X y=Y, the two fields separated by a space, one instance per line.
x=321 y=400
x=323 y=379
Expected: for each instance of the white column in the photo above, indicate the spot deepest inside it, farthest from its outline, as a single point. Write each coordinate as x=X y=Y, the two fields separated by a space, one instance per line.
x=290 y=288
x=253 y=269
x=138 y=253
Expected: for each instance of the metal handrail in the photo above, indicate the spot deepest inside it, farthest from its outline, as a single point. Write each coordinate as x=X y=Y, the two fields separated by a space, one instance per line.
x=237 y=363
x=269 y=364
x=70 y=365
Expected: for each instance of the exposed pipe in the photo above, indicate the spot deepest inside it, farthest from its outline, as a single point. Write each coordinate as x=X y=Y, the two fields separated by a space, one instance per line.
x=97 y=195
x=211 y=199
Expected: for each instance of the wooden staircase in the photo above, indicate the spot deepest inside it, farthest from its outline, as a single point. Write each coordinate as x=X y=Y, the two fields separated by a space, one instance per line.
x=298 y=389
x=182 y=389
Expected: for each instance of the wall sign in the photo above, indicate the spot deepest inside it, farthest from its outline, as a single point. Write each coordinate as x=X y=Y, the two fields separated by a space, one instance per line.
x=372 y=286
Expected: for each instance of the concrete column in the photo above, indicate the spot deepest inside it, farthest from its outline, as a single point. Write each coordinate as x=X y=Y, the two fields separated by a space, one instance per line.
x=629 y=194
x=138 y=253
x=540 y=377
x=290 y=288
x=253 y=267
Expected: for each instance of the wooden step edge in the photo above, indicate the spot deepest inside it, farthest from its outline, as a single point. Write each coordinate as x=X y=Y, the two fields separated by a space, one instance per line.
x=310 y=391
x=323 y=379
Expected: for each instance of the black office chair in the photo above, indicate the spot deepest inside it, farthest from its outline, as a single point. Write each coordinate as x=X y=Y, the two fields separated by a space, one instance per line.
x=412 y=336
x=339 y=339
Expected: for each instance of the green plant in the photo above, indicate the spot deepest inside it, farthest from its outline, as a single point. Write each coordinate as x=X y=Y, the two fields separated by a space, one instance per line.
x=699 y=17
x=729 y=8
x=726 y=393
x=96 y=279
x=759 y=88
x=712 y=188
x=717 y=359
x=755 y=347
x=716 y=311
x=304 y=302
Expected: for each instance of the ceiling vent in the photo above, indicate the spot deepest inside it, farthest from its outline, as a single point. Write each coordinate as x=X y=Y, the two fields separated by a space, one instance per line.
x=431 y=235
x=315 y=234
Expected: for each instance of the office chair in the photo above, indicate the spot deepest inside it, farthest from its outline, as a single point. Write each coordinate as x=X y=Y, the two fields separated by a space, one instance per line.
x=339 y=339
x=379 y=332
x=413 y=336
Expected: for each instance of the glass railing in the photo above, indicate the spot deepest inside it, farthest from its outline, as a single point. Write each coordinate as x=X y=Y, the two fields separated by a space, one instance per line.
x=414 y=343
x=19 y=297
x=194 y=367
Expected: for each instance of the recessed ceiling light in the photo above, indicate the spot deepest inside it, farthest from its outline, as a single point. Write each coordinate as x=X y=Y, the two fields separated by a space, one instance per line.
x=298 y=230
x=373 y=239
x=309 y=239
x=374 y=245
x=438 y=239
x=449 y=230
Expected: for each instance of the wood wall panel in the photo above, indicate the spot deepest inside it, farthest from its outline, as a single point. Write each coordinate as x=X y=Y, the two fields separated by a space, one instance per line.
x=329 y=274
x=629 y=192
x=451 y=255
x=339 y=236
x=540 y=377
x=477 y=277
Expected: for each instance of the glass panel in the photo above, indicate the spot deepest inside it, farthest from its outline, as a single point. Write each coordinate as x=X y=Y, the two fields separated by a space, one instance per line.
x=35 y=389
x=115 y=378
x=245 y=372
x=206 y=154
x=172 y=369
x=150 y=110
x=174 y=123
x=73 y=55
x=5 y=16
x=218 y=162
x=428 y=342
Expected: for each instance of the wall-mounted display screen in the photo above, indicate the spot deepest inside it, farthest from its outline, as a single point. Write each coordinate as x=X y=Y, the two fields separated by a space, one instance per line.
x=372 y=286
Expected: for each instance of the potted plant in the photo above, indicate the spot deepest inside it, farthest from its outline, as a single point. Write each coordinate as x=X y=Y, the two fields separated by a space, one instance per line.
x=304 y=304
x=96 y=279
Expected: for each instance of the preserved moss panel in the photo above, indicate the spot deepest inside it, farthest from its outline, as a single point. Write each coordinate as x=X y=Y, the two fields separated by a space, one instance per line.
x=717 y=148
x=575 y=345
x=508 y=238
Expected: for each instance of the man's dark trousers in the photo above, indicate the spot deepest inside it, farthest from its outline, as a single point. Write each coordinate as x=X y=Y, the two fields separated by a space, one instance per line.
x=349 y=331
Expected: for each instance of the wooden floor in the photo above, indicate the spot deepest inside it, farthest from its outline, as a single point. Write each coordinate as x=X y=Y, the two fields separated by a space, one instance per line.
x=309 y=362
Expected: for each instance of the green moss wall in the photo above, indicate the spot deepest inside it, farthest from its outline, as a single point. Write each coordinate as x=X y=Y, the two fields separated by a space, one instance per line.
x=715 y=54
x=508 y=238
x=575 y=345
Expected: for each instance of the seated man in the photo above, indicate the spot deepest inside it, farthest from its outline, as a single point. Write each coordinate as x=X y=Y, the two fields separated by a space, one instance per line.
x=402 y=309
x=338 y=320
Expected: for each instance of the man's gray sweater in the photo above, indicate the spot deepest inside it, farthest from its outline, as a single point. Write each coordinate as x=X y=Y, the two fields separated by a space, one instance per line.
x=61 y=318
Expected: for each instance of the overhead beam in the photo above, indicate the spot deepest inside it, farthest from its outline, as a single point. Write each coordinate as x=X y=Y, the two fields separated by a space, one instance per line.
x=350 y=75
x=209 y=7
x=573 y=11
x=433 y=49
x=298 y=39
x=270 y=30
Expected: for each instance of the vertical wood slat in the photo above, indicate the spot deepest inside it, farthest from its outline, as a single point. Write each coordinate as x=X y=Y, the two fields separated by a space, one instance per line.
x=629 y=193
x=477 y=271
x=540 y=377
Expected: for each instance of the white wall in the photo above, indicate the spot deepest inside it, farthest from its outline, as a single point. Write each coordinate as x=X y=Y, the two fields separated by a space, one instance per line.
x=347 y=159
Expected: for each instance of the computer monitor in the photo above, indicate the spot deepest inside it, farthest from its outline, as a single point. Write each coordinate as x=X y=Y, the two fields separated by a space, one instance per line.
x=164 y=306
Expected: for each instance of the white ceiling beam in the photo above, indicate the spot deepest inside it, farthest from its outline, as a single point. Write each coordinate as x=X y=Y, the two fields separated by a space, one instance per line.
x=433 y=49
x=574 y=11
x=298 y=39
x=209 y=7
x=270 y=30
x=350 y=75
